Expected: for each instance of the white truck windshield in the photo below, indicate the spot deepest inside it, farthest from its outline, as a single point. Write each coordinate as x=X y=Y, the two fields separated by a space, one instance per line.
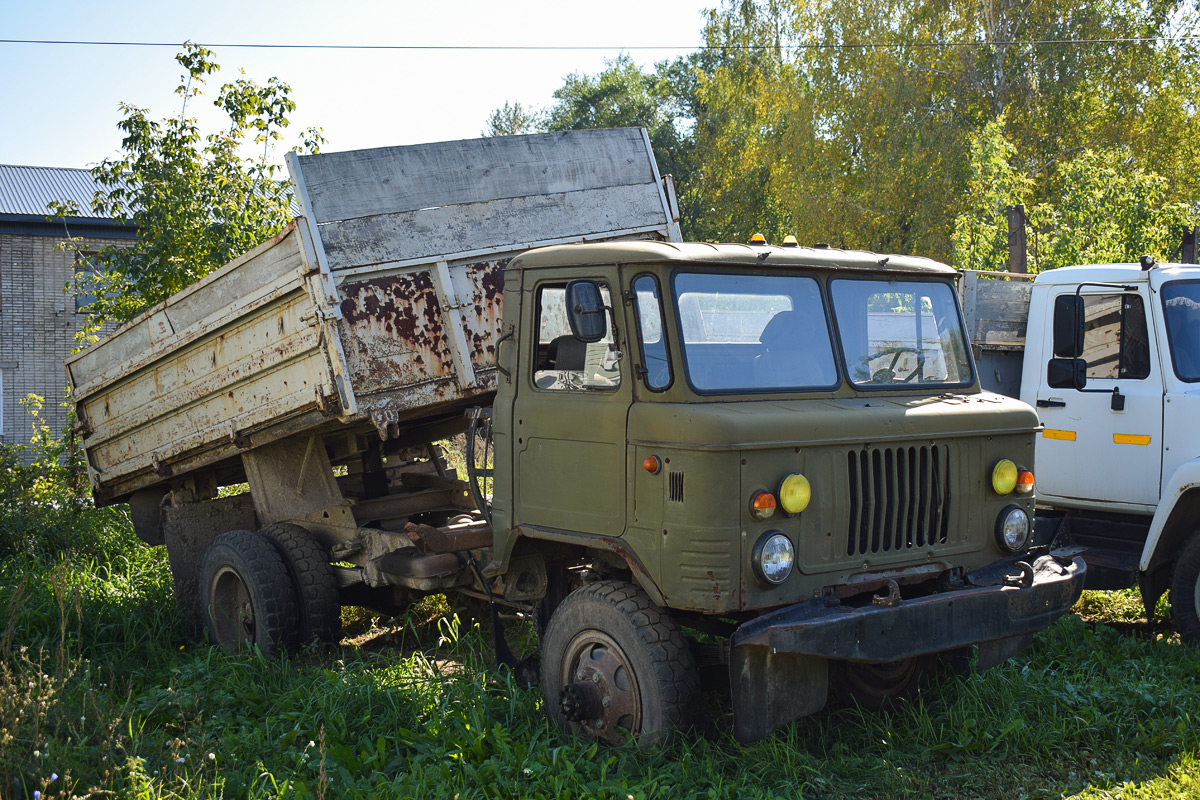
x=1181 y=305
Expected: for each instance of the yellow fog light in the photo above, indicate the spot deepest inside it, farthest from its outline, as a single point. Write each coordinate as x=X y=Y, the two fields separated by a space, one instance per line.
x=1004 y=476
x=794 y=494
x=762 y=505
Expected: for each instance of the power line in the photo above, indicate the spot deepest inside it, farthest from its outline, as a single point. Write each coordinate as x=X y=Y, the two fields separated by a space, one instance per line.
x=536 y=48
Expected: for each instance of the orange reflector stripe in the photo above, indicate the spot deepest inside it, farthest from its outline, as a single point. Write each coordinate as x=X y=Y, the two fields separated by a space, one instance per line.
x=1051 y=433
x=1130 y=438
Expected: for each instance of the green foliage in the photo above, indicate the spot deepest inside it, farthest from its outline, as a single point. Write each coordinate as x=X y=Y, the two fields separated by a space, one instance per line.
x=1100 y=208
x=852 y=123
x=195 y=200
x=512 y=119
x=45 y=504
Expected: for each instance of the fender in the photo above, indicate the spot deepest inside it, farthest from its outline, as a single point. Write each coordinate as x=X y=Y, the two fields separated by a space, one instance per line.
x=1184 y=480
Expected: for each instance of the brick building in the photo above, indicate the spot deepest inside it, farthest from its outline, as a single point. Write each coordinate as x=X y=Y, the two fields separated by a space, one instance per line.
x=39 y=315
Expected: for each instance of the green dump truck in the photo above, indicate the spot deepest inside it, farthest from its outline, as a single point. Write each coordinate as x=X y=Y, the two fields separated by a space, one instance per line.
x=682 y=458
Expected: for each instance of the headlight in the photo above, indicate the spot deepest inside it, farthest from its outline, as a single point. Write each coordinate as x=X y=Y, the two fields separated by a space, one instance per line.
x=1012 y=529
x=773 y=558
x=1004 y=476
x=794 y=494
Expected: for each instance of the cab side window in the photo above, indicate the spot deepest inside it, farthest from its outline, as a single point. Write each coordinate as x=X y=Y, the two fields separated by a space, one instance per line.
x=1116 y=344
x=562 y=362
x=655 y=360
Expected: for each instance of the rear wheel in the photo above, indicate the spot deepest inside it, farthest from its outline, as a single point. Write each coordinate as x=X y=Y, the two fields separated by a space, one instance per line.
x=319 y=609
x=614 y=664
x=248 y=594
x=1185 y=591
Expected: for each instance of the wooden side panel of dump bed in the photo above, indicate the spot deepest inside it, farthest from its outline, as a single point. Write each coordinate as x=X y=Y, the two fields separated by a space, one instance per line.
x=236 y=358
x=378 y=306
x=416 y=239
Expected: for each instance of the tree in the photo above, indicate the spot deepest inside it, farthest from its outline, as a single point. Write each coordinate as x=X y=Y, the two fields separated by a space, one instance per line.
x=853 y=121
x=1104 y=208
x=512 y=119
x=195 y=200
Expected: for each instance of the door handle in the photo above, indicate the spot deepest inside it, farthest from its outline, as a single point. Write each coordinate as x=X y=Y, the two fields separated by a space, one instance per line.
x=1051 y=404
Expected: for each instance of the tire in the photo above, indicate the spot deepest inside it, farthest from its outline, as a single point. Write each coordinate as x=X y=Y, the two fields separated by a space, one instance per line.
x=249 y=599
x=880 y=686
x=1185 y=591
x=638 y=674
x=319 y=606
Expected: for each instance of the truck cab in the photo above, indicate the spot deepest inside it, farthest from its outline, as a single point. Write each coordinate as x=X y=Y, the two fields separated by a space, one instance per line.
x=785 y=447
x=1111 y=364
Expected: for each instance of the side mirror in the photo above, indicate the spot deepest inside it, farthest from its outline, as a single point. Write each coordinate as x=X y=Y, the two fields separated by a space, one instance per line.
x=1068 y=326
x=1066 y=373
x=585 y=311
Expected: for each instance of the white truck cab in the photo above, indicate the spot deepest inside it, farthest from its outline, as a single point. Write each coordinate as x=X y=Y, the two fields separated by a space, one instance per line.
x=1111 y=362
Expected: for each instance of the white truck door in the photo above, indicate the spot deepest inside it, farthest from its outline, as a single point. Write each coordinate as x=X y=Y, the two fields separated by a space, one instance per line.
x=1101 y=448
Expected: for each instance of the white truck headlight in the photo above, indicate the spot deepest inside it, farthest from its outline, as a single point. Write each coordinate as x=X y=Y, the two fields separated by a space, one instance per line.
x=774 y=558
x=1012 y=529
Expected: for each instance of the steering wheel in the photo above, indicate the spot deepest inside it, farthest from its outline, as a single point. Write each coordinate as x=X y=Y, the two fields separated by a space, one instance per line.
x=888 y=373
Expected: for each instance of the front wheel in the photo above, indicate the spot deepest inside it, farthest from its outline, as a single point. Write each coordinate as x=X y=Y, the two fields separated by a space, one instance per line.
x=248 y=594
x=614 y=664
x=1185 y=591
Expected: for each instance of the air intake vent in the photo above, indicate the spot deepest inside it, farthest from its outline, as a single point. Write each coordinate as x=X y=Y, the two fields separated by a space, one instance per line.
x=899 y=498
x=675 y=488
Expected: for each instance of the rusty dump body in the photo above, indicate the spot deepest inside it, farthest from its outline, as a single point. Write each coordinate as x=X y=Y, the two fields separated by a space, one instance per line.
x=378 y=306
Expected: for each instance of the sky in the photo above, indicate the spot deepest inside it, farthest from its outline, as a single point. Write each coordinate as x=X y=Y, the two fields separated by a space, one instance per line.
x=59 y=103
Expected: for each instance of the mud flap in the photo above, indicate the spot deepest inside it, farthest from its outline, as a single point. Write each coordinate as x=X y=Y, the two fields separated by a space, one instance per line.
x=772 y=689
x=997 y=651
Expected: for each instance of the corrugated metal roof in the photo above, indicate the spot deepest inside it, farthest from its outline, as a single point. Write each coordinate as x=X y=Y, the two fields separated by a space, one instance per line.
x=29 y=190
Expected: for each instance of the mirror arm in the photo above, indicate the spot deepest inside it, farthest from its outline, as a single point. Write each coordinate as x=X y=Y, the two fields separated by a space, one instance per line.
x=612 y=318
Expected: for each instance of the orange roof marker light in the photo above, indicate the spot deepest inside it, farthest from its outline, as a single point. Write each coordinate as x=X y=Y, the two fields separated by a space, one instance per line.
x=758 y=238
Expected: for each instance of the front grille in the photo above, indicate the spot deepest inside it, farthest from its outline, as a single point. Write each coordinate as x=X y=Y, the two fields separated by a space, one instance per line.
x=899 y=498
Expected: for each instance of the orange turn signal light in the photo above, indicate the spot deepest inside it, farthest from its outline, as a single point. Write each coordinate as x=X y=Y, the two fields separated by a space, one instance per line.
x=1024 y=481
x=652 y=464
x=762 y=505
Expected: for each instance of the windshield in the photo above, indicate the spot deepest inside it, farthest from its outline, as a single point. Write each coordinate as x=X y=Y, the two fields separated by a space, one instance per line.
x=900 y=332
x=754 y=333
x=1181 y=304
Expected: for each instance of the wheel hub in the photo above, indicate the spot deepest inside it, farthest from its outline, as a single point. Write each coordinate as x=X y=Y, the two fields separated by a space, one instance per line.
x=599 y=691
x=580 y=701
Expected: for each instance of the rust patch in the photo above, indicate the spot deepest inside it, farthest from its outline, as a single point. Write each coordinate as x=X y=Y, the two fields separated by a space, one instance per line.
x=392 y=332
x=482 y=311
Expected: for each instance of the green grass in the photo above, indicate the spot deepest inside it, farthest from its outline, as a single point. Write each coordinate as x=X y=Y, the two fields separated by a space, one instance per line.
x=102 y=691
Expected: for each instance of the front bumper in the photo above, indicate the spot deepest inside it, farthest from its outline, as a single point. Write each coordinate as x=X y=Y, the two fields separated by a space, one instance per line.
x=778 y=669
x=988 y=608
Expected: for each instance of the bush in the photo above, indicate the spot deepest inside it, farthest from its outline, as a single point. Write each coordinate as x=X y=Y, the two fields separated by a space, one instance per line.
x=46 y=508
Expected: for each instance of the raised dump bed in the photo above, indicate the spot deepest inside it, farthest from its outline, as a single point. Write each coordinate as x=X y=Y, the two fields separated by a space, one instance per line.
x=378 y=307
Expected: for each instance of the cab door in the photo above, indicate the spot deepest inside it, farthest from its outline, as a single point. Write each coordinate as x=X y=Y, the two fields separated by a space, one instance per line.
x=569 y=413
x=1101 y=446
